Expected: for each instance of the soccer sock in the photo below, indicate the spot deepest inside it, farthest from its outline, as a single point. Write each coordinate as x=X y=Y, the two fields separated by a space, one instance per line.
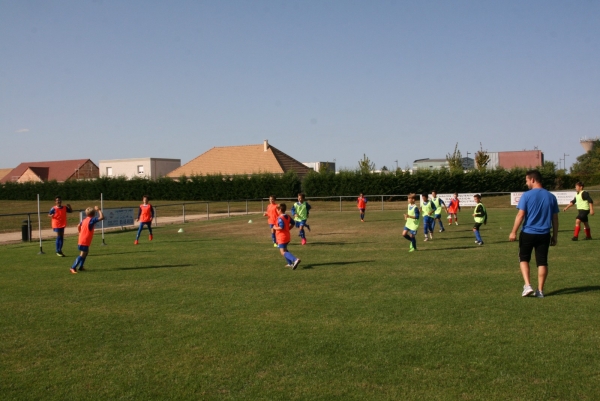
x=577 y=228
x=139 y=232
x=149 y=228
x=273 y=238
x=478 y=236
x=588 y=232
x=76 y=262
x=441 y=224
x=58 y=244
x=289 y=257
x=362 y=216
x=82 y=260
x=302 y=233
x=414 y=242
x=408 y=237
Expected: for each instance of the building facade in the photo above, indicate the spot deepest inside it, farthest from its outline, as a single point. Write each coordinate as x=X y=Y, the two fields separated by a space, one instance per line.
x=146 y=167
x=515 y=159
x=317 y=166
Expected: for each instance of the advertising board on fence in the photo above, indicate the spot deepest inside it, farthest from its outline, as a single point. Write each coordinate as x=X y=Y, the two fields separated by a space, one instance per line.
x=563 y=198
x=115 y=218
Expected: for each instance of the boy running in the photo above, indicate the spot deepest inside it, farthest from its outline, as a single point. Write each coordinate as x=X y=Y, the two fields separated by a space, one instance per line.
x=272 y=215
x=428 y=209
x=282 y=229
x=58 y=215
x=300 y=212
x=362 y=205
x=145 y=217
x=453 y=209
x=412 y=223
x=480 y=217
x=585 y=207
x=86 y=234
x=438 y=203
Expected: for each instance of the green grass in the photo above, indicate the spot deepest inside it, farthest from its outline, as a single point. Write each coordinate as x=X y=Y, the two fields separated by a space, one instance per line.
x=212 y=314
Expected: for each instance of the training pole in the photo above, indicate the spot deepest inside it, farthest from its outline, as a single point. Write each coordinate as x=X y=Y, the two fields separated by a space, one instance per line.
x=102 y=208
x=41 y=252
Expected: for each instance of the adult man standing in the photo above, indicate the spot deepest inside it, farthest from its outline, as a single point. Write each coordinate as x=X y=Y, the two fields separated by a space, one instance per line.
x=538 y=211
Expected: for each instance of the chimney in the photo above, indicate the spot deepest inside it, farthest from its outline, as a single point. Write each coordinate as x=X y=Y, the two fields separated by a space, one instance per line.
x=266 y=144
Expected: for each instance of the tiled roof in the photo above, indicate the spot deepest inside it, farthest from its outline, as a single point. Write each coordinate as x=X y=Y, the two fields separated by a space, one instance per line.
x=4 y=172
x=234 y=160
x=60 y=170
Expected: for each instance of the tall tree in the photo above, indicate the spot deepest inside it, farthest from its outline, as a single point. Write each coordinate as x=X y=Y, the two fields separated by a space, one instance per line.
x=482 y=159
x=588 y=164
x=365 y=165
x=455 y=160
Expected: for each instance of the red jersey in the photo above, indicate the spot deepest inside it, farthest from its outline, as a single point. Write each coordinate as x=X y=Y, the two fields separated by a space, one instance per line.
x=272 y=214
x=59 y=217
x=453 y=206
x=285 y=222
x=362 y=203
x=145 y=213
x=85 y=233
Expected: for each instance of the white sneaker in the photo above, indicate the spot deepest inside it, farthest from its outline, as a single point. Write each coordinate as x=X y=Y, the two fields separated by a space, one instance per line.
x=456 y=223
x=539 y=294
x=296 y=263
x=426 y=239
x=527 y=290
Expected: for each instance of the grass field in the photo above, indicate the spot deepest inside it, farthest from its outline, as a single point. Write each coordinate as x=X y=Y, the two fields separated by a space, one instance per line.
x=212 y=314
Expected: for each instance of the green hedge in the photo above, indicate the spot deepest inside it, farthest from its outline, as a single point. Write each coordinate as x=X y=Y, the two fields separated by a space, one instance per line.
x=348 y=183
x=206 y=188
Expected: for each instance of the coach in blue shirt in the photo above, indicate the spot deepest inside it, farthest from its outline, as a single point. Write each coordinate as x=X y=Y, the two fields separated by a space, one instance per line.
x=538 y=211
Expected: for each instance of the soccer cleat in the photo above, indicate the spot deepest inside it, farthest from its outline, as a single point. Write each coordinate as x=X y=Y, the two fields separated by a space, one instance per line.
x=587 y=238
x=456 y=223
x=480 y=243
x=135 y=242
x=150 y=237
x=73 y=271
x=574 y=239
x=477 y=242
x=412 y=249
x=362 y=220
x=82 y=269
x=288 y=265
x=442 y=230
x=303 y=242
x=62 y=255
x=275 y=245
x=539 y=294
x=296 y=263
x=426 y=239
x=527 y=290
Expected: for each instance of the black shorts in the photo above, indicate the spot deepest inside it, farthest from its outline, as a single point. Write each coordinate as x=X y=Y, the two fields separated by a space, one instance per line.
x=477 y=225
x=539 y=242
x=583 y=215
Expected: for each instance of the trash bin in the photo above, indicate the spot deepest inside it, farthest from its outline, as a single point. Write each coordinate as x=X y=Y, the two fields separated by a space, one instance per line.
x=26 y=230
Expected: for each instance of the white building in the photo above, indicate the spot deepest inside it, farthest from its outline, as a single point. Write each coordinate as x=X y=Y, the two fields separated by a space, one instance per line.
x=145 y=167
x=317 y=166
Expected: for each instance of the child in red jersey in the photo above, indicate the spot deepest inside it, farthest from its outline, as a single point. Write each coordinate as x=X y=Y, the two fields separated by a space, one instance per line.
x=453 y=208
x=362 y=205
x=272 y=215
x=86 y=234
x=145 y=216
x=58 y=214
x=282 y=230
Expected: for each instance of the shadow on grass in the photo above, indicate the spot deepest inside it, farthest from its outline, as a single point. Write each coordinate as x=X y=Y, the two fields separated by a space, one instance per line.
x=339 y=243
x=450 y=248
x=143 y=267
x=573 y=290
x=311 y=265
x=117 y=253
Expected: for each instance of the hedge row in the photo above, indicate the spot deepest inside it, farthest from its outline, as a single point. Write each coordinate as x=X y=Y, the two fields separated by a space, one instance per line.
x=443 y=181
x=209 y=188
x=221 y=188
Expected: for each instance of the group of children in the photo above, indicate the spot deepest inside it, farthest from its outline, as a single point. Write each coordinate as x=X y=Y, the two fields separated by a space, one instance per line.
x=58 y=216
x=281 y=223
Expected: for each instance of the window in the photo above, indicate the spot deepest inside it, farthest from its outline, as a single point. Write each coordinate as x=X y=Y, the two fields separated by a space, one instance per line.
x=109 y=171
x=140 y=169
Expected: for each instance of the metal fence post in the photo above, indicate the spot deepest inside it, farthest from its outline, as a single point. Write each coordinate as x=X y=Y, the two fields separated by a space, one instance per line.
x=262 y=206
x=207 y=212
x=184 y=213
x=228 y=212
x=246 y=206
x=381 y=202
x=29 y=227
x=340 y=203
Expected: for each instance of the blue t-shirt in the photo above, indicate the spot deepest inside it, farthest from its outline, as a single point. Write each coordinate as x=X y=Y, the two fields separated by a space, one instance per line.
x=539 y=205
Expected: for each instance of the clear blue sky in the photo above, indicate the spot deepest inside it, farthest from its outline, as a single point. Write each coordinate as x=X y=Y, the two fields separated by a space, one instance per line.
x=322 y=80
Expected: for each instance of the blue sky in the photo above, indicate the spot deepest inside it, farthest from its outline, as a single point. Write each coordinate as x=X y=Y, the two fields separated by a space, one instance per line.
x=321 y=80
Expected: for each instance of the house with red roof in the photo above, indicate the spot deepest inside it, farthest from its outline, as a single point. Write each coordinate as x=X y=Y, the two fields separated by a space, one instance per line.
x=59 y=170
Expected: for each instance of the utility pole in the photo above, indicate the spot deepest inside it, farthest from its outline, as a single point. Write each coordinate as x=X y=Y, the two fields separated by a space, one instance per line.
x=468 y=165
x=565 y=161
